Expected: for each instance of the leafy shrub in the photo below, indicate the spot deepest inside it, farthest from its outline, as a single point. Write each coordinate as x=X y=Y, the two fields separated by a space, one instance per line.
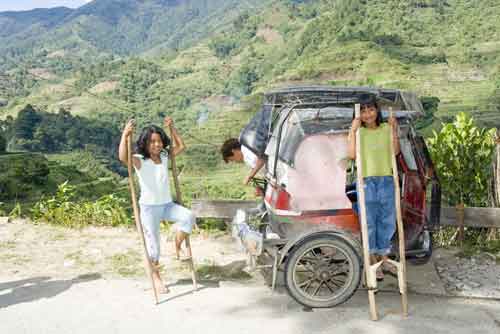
x=388 y=39
x=20 y=173
x=430 y=104
x=462 y=154
x=60 y=209
x=223 y=45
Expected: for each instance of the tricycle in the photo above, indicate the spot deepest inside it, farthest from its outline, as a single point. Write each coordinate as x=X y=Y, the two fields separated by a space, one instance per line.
x=306 y=233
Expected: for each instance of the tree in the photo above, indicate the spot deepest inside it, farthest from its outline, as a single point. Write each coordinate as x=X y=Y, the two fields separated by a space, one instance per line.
x=26 y=122
x=462 y=153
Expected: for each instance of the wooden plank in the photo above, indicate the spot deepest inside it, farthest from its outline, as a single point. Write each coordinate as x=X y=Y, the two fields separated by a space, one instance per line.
x=474 y=217
x=226 y=209
x=220 y=209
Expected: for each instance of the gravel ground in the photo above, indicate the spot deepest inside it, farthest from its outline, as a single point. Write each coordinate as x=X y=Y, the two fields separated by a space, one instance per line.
x=477 y=276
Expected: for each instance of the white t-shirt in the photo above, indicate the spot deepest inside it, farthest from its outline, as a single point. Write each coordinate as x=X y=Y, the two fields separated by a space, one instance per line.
x=248 y=157
x=153 y=179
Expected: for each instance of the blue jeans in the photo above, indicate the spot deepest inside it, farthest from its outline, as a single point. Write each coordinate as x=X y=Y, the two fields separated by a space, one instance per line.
x=380 y=213
x=152 y=215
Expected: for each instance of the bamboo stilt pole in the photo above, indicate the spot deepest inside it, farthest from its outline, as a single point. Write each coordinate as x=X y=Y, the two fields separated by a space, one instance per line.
x=371 y=281
x=401 y=266
x=138 y=225
x=178 y=196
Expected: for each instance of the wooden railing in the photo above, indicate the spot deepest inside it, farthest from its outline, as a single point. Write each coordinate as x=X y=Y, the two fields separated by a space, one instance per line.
x=220 y=209
x=473 y=217
x=226 y=209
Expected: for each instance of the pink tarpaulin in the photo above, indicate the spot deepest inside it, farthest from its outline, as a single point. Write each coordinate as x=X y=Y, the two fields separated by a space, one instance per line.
x=319 y=178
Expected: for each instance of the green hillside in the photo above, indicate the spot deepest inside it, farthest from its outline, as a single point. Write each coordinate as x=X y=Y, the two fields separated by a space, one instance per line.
x=448 y=49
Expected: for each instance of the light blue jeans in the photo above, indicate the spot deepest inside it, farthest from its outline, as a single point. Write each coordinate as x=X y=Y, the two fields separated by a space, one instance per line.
x=153 y=215
x=380 y=213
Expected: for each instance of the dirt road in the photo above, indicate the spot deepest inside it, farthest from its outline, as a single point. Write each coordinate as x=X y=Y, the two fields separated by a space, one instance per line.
x=89 y=305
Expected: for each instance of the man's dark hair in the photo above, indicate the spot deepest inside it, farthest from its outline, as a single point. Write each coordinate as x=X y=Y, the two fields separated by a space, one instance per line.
x=228 y=147
x=145 y=137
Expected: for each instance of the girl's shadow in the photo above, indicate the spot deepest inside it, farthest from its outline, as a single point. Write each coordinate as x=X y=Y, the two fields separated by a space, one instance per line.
x=31 y=289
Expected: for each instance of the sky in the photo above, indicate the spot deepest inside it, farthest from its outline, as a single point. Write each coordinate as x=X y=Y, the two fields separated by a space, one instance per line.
x=6 y=5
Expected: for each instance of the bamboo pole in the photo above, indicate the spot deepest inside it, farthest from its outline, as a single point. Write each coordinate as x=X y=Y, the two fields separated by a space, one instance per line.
x=402 y=248
x=178 y=196
x=138 y=225
x=370 y=274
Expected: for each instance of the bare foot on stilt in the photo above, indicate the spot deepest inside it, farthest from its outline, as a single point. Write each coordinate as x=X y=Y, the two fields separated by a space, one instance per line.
x=159 y=285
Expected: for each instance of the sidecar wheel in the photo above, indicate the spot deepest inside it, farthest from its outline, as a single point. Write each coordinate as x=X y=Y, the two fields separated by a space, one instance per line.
x=322 y=271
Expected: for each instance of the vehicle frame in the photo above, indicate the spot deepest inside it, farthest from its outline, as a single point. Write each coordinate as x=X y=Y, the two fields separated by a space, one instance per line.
x=312 y=242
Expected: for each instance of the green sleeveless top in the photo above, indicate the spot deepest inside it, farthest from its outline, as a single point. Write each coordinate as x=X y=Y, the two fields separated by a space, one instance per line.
x=376 y=151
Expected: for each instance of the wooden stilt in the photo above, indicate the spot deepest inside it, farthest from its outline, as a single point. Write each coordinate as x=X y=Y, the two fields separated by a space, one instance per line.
x=138 y=225
x=401 y=266
x=371 y=281
x=370 y=269
x=178 y=196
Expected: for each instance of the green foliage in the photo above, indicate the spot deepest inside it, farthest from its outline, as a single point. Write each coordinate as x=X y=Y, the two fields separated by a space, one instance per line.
x=21 y=173
x=27 y=120
x=430 y=104
x=16 y=83
x=3 y=144
x=46 y=132
x=223 y=45
x=462 y=154
x=62 y=209
x=409 y=55
x=91 y=75
x=136 y=78
x=16 y=212
x=303 y=8
x=243 y=29
x=242 y=81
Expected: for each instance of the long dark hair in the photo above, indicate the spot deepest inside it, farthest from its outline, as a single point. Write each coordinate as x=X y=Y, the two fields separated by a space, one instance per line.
x=369 y=100
x=143 y=141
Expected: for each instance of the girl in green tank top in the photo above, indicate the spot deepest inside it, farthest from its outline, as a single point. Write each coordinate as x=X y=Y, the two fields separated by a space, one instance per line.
x=376 y=161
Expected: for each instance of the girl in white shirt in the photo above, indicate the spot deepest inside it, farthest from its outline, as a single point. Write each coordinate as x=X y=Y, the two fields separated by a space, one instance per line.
x=151 y=165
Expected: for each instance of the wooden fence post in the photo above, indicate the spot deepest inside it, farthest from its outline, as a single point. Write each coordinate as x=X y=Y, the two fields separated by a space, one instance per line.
x=496 y=172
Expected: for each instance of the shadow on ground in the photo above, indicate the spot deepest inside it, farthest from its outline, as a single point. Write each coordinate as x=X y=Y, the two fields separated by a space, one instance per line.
x=31 y=289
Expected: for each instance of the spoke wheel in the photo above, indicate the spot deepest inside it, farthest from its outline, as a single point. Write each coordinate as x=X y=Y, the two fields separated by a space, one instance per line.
x=322 y=271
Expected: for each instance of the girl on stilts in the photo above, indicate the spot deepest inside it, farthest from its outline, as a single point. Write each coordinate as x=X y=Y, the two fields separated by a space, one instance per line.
x=156 y=205
x=376 y=159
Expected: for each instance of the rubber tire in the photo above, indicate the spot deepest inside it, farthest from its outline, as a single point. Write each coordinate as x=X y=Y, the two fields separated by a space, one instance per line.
x=424 y=259
x=338 y=242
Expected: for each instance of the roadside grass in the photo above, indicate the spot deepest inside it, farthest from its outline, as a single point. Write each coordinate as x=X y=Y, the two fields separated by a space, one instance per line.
x=14 y=259
x=230 y=272
x=9 y=244
x=127 y=264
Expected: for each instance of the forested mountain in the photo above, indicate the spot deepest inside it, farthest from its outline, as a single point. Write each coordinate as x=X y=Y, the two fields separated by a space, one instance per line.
x=119 y=27
x=26 y=22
